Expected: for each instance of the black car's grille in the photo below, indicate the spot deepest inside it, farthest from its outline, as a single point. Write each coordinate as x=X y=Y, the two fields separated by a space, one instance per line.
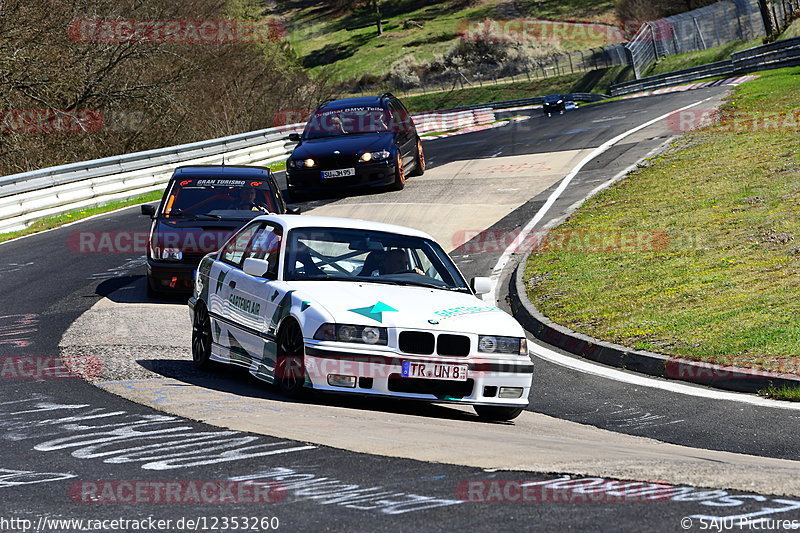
x=438 y=387
x=417 y=342
x=425 y=343
x=193 y=259
x=454 y=345
x=336 y=162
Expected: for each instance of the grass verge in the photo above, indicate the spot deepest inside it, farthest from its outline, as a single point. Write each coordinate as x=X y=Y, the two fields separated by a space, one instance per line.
x=790 y=394
x=697 y=254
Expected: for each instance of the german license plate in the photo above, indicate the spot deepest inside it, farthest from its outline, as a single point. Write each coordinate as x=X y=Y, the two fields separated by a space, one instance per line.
x=430 y=370
x=340 y=173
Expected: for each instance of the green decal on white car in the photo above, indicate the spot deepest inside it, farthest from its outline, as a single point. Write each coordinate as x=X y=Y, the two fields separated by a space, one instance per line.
x=374 y=312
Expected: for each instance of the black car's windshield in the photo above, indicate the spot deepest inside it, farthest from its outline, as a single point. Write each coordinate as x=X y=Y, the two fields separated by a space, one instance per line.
x=218 y=198
x=349 y=121
x=342 y=254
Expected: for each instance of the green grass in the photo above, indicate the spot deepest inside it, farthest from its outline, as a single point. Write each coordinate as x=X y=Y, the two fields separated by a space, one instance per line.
x=702 y=57
x=792 y=31
x=791 y=394
x=321 y=39
x=71 y=216
x=596 y=82
x=724 y=203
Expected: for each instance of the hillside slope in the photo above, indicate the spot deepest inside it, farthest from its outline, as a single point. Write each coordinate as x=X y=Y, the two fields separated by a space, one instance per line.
x=345 y=38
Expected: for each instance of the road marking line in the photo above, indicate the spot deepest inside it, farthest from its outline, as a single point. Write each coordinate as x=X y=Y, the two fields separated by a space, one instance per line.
x=491 y=296
x=589 y=367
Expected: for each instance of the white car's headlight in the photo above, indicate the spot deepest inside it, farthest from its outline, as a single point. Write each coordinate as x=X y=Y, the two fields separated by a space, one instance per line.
x=493 y=344
x=171 y=254
x=375 y=156
x=352 y=333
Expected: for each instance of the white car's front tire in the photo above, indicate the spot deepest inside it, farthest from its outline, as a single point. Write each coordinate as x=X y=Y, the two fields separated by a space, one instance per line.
x=290 y=371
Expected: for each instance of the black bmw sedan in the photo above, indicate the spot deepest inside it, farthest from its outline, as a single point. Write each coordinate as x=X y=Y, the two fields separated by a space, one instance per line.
x=368 y=142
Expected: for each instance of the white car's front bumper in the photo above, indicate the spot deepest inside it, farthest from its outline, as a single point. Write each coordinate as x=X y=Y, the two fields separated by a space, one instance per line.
x=379 y=373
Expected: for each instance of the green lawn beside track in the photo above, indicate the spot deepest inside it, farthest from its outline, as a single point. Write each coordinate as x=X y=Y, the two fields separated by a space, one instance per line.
x=710 y=263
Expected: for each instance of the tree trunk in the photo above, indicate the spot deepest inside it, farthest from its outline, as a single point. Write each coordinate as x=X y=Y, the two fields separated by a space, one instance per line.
x=378 y=16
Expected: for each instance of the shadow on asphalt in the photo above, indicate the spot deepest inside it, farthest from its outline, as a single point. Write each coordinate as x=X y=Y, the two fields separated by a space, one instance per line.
x=133 y=290
x=238 y=381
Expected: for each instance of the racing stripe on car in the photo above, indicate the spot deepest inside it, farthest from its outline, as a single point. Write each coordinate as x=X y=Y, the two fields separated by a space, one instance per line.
x=242 y=327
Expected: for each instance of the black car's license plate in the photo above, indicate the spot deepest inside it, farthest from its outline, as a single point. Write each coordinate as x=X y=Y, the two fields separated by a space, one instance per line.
x=340 y=173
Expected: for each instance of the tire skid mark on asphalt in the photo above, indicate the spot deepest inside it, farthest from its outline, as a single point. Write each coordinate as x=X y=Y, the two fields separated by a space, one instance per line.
x=15 y=478
x=331 y=491
x=159 y=442
x=616 y=415
x=16 y=330
x=122 y=270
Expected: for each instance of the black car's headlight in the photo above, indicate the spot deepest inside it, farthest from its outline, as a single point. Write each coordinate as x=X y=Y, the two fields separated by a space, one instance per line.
x=166 y=254
x=302 y=163
x=380 y=155
x=352 y=333
x=493 y=344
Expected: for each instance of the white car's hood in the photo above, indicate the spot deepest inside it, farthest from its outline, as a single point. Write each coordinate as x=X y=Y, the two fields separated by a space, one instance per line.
x=407 y=307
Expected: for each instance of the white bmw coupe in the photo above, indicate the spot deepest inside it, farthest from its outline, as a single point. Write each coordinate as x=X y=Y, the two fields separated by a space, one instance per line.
x=357 y=307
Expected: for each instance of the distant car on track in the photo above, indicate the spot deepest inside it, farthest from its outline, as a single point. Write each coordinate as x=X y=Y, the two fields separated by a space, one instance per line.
x=557 y=103
x=349 y=306
x=201 y=208
x=362 y=143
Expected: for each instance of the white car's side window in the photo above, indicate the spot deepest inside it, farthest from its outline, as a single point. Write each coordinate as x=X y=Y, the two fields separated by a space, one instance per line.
x=266 y=245
x=235 y=249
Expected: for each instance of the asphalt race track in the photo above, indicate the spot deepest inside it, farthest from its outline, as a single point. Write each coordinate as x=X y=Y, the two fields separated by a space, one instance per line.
x=68 y=441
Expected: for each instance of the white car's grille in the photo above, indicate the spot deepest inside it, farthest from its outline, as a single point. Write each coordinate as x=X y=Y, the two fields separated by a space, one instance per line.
x=426 y=343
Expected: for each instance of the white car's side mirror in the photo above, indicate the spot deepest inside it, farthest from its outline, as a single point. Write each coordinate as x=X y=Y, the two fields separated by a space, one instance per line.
x=481 y=285
x=255 y=267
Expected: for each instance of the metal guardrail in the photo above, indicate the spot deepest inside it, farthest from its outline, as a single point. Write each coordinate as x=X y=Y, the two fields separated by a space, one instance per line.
x=535 y=100
x=783 y=53
x=714 y=25
x=677 y=77
x=29 y=196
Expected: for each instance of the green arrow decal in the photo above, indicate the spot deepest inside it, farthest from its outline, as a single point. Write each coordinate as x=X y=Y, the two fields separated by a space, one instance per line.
x=374 y=312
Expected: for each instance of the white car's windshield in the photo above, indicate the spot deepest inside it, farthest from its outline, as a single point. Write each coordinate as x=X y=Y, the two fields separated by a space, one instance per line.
x=342 y=254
